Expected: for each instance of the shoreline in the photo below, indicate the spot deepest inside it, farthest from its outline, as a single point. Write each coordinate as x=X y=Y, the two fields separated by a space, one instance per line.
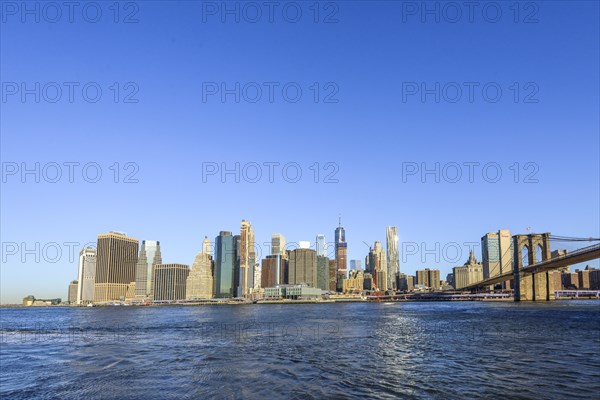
x=270 y=302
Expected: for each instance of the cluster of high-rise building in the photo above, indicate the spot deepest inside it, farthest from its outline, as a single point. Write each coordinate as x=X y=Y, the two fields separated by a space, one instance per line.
x=119 y=268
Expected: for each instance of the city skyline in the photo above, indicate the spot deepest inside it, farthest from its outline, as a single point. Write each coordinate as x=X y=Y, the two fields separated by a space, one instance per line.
x=445 y=266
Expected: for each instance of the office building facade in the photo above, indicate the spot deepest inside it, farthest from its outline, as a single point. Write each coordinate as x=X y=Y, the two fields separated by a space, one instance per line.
x=393 y=258
x=321 y=245
x=322 y=272
x=116 y=260
x=341 y=256
x=497 y=254
x=149 y=256
x=200 y=282
x=225 y=263
x=429 y=278
x=170 y=281
x=86 y=276
x=247 y=259
x=278 y=245
x=467 y=274
x=303 y=267
x=72 y=294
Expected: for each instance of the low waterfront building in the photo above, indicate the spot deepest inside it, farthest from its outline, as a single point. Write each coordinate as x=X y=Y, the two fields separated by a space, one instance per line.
x=28 y=301
x=292 y=292
x=32 y=301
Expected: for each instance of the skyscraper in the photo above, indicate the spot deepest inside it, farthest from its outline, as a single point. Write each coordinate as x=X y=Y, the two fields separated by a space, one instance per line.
x=199 y=284
x=393 y=260
x=277 y=244
x=116 y=261
x=149 y=256
x=247 y=260
x=379 y=266
x=225 y=261
x=321 y=245
x=341 y=255
x=497 y=254
x=86 y=275
x=355 y=264
x=332 y=275
x=323 y=272
x=303 y=267
x=429 y=278
x=405 y=282
x=257 y=276
x=170 y=281
x=72 y=295
x=272 y=271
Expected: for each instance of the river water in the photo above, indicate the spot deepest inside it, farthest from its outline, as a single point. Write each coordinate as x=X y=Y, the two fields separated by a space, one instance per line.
x=361 y=350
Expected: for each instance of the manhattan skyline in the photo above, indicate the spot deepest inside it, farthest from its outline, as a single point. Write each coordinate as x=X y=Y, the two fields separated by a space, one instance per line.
x=450 y=254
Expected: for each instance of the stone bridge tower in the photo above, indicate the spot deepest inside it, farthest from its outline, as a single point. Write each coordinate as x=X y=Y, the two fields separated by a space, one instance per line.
x=529 y=250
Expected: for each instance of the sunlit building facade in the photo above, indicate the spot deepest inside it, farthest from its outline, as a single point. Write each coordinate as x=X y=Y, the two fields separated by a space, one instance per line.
x=199 y=284
x=86 y=276
x=116 y=262
x=393 y=259
x=149 y=256
x=170 y=281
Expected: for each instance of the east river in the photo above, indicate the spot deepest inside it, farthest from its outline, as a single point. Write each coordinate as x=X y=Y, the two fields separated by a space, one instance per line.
x=444 y=350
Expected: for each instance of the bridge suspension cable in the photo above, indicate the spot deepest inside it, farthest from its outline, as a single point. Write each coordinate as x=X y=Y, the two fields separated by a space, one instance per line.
x=557 y=238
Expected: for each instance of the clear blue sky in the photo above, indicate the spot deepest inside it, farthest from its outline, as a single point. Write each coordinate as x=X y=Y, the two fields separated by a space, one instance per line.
x=372 y=52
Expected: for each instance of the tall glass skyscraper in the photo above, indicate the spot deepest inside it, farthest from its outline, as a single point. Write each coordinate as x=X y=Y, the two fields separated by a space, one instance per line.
x=393 y=260
x=497 y=254
x=341 y=255
x=225 y=262
x=321 y=245
x=144 y=273
x=355 y=264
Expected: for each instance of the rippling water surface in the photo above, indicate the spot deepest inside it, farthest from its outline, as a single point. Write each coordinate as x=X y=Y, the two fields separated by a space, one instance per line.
x=401 y=350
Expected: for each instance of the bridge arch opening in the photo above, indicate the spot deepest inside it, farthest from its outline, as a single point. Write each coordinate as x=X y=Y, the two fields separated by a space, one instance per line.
x=525 y=256
x=539 y=253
